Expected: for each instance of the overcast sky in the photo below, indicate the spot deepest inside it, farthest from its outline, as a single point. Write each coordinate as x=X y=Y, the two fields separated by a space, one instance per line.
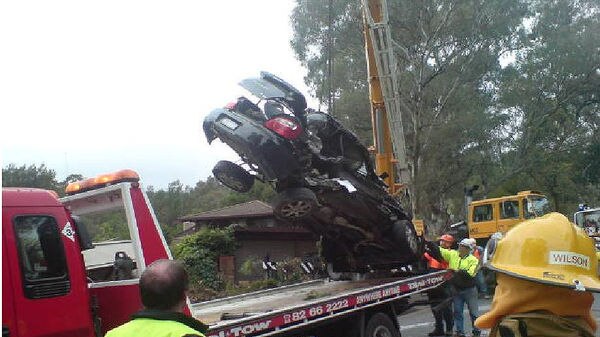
x=92 y=87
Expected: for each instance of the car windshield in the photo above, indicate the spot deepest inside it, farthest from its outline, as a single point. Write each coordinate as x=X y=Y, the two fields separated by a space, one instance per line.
x=536 y=205
x=262 y=89
x=588 y=218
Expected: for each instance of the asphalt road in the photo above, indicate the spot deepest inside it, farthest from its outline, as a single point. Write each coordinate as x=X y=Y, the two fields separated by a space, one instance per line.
x=418 y=321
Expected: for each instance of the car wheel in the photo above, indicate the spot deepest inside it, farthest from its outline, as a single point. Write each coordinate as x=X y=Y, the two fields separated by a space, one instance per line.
x=380 y=325
x=233 y=176
x=295 y=204
x=405 y=234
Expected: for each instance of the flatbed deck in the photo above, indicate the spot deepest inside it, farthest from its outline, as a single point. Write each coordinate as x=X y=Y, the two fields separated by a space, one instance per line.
x=263 y=302
x=280 y=310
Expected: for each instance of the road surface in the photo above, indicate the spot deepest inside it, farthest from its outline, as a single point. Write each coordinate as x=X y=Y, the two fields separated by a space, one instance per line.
x=418 y=321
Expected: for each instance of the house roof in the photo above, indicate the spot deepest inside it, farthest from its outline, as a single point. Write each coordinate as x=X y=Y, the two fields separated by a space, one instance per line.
x=250 y=209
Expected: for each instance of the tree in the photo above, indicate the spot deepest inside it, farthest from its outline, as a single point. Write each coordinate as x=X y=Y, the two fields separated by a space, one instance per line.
x=552 y=89
x=200 y=252
x=30 y=176
x=449 y=56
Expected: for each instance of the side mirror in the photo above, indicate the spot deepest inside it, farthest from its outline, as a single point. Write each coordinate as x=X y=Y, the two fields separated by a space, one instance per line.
x=490 y=248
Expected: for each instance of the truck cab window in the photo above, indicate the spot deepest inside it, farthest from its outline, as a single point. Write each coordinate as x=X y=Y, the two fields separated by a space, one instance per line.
x=483 y=213
x=113 y=257
x=41 y=255
x=510 y=209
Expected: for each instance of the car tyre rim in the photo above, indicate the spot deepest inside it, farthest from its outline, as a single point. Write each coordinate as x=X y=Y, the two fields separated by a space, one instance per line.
x=296 y=209
x=382 y=331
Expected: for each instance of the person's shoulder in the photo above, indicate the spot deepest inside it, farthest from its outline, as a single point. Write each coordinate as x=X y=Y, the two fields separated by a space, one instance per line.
x=449 y=250
x=123 y=327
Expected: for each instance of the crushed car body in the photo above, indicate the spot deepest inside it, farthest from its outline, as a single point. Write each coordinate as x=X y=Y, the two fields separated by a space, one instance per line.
x=322 y=173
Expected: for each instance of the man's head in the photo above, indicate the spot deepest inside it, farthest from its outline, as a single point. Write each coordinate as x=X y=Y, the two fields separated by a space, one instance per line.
x=473 y=243
x=464 y=247
x=163 y=286
x=446 y=241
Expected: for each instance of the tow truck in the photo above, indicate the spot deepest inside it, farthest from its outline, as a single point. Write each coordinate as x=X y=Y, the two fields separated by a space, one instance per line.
x=55 y=284
x=48 y=287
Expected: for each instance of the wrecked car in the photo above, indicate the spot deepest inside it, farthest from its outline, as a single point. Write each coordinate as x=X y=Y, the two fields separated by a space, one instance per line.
x=322 y=173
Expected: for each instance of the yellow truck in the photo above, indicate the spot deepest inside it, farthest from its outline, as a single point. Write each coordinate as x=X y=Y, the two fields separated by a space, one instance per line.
x=488 y=216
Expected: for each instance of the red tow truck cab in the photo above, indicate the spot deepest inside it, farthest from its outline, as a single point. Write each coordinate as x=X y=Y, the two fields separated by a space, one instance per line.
x=46 y=288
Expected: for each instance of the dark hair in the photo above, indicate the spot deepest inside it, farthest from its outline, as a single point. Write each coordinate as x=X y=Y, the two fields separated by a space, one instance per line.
x=163 y=284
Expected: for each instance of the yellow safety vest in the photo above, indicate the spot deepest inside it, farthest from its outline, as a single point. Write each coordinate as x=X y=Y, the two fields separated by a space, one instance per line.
x=158 y=324
x=455 y=262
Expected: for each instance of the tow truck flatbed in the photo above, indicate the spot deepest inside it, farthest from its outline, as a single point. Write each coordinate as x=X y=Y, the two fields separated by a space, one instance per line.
x=313 y=306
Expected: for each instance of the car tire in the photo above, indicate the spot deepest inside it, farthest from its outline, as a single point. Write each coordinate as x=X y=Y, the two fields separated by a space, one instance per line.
x=295 y=204
x=233 y=176
x=380 y=325
x=405 y=235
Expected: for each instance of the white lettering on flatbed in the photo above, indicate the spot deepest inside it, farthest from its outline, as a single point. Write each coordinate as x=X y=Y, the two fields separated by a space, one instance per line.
x=244 y=330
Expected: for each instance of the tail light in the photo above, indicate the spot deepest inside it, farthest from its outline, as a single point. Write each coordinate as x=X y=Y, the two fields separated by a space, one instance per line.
x=285 y=127
x=230 y=105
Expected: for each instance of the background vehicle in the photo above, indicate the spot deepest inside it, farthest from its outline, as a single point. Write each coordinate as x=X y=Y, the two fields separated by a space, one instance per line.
x=589 y=220
x=48 y=287
x=488 y=216
x=322 y=173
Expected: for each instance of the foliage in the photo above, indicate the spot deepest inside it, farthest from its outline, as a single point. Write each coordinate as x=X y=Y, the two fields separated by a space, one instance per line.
x=499 y=93
x=107 y=226
x=552 y=88
x=30 y=176
x=217 y=241
x=252 y=266
x=200 y=252
x=179 y=200
x=472 y=114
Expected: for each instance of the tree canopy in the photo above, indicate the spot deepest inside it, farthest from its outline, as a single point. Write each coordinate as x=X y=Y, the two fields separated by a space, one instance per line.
x=503 y=94
x=500 y=93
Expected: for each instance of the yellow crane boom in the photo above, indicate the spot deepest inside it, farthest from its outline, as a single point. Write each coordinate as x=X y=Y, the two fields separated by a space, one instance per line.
x=386 y=118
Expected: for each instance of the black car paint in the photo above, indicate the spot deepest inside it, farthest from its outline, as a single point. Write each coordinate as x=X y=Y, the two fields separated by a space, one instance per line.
x=359 y=228
x=262 y=147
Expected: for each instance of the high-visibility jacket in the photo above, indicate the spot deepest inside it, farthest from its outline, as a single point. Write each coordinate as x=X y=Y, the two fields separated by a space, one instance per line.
x=455 y=262
x=435 y=264
x=476 y=253
x=155 y=323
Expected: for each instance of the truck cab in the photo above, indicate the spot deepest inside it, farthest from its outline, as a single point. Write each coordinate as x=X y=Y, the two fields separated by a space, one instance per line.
x=55 y=282
x=488 y=216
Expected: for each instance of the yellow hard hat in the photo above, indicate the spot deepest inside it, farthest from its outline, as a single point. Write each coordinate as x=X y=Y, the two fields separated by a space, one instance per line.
x=549 y=250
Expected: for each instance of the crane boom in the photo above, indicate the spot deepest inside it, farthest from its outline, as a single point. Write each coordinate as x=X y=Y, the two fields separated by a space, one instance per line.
x=386 y=118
